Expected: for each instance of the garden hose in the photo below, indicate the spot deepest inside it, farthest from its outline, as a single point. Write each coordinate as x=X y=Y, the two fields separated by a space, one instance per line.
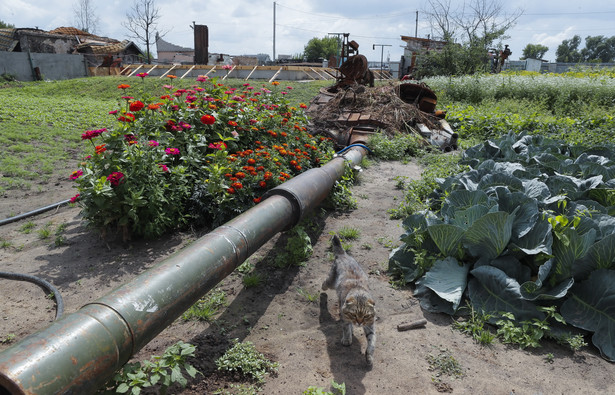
x=42 y=283
x=33 y=212
x=353 y=145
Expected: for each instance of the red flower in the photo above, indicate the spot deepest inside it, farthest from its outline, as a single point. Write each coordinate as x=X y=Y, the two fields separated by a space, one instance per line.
x=126 y=118
x=76 y=174
x=123 y=86
x=237 y=185
x=262 y=184
x=256 y=200
x=90 y=134
x=115 y=178
x=74 y=198
x=100 y=149
x=240 y=175
x=208 y=119
x=136 y=105
x=232 y=123
x=230 y=190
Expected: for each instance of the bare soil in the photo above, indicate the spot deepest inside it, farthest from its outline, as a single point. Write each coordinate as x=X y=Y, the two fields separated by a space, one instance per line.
x=303 y=335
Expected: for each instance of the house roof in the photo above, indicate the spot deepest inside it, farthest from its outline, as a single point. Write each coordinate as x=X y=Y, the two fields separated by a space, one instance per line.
x=70 y=30
x=109 y=48
x=164 y=46
x=7 y=40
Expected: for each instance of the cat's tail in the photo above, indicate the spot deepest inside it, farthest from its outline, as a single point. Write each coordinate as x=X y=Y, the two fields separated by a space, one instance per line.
x=337 y=245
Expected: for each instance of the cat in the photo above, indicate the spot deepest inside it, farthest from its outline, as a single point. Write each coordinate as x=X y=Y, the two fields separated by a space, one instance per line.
x=356 y=304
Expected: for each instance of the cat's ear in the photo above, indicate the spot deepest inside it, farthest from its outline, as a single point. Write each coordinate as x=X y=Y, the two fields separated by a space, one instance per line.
x=371 y=303
x=351 y=301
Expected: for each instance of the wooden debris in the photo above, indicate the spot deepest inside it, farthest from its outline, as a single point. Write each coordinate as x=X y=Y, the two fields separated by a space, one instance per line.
x=412 y=325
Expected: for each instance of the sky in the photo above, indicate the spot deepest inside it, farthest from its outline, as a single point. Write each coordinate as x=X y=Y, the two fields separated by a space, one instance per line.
x=241 y=27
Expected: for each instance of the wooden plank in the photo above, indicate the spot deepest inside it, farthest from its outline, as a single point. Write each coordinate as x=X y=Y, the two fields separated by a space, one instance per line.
x=249 y=75
x=318 y=74
x=186 y=73
x=364 y=117
x=168 y=71
x=212 y=69
x=343 y=117
x=227 y=74
x=276 y=74
x=135 y=70
x=124 y=69
x=354 y=117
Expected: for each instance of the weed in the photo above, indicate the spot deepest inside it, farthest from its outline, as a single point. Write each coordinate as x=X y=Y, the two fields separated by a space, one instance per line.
x=5 y=244
x=338 y=389
x=340 y=198
x=207 y=307
x=50 y=295
x=400 y=182
x=252 y=280
x=164 y=371
x=243 y=359
x=27 y=227
x=386 y=242
x=245 y=267
x=298 y=248
x=8 y=338
x=44 y=232
x=526 y=333
x=475 y=326
x=363 y=196
x=59 y=241
x=443 y=363
x=549 y=358
x=366 y=246
x=348 y=233
x=237 y=389
x=575 y=342
x=311 y=298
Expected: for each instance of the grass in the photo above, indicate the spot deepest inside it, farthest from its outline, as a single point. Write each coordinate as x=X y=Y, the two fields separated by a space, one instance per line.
x=348 y=233
x=207 y=307
x=42 y=122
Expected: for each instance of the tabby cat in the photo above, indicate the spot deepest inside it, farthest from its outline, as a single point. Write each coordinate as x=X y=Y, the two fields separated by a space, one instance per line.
x=356 y=303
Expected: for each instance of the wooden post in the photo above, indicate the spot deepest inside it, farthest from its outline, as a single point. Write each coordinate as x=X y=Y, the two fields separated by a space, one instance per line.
x=276 y=74
x=168 y=71
x=249 y=75
x=227 y=74
x=135 y=70
x=186 y=73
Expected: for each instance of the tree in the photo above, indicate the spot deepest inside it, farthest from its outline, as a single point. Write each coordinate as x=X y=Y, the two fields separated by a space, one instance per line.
x=598 y=49
x=4 y=25
x=568 y=51
x=321 y=48
x=470 y=29
x=85 y=18
x=534 y=51
x=141 y=21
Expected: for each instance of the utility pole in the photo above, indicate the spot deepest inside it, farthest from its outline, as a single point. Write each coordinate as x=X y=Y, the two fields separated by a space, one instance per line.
x=273 y=32
x=381 y=53
x=416 y=26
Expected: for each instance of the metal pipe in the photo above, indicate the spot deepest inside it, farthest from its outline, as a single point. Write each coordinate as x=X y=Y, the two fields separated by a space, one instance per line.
x=33 y=212
x=82 y=350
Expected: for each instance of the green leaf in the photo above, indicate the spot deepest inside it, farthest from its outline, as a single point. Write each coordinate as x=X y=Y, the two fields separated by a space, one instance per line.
x=191 y=370
x=122 y=388
x=448 y=279
x=402 y=259
x=448 y=239
x=492 y=290
x=600 y=255
x=567 y=248
x=489 y=235
x=591 y=306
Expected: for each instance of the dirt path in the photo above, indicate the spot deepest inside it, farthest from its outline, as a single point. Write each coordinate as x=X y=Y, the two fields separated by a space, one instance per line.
x=288 y=317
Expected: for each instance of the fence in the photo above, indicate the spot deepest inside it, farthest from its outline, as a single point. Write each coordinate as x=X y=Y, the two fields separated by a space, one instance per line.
x=26 y=66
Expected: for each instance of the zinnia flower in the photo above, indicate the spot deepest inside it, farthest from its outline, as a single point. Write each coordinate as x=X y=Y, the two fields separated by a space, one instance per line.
x=136 y=105
x=74 y=198
x=208 y=119
x=163 y=167
x=232 y=123
x=76 y=174
x=153 y=143
x=100 y=149
x=171 y=151
x=142 y=75
x=123 y=86
x=90 y=134
x=220 y=145
x=115 y=178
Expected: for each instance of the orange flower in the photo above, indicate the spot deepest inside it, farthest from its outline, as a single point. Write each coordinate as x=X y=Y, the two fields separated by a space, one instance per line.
x=171 y=76
x=256 y=200
x=251 y=161
x=262 y=184
x=237 y=185
x=230 y=190
x=275 y=83
x=240 y=175
x=153 y=107
x=123 y=86
x=100 y=148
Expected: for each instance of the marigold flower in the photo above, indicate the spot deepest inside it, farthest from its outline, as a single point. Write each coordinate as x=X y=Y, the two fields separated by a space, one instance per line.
x=237 y=185
x=74 y=198
x=230 y=190
x=115 y=178
x=153 y=106
x=256 y=200
x=240 y=175
x=208 y=119
x=136 y=106
x=262 y=184
x=76 y=174
x=172 y=151
x=123 y=86
x=275 y=83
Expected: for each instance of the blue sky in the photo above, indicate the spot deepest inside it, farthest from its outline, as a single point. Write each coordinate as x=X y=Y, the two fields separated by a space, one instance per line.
x=246 y=26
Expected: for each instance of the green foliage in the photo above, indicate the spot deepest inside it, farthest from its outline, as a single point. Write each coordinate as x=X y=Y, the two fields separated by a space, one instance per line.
x=244 y=360
x=318 y=49
x=597 y=49
x=349 y=233
x=530 y=219
x=443 y=363
x=475 y=325
x=297 y=250
x=8 y=338
x=340 y=198
x=534 y=51
x=400 y=147
x=5 y=25
x=338 y=389
x=163 y=371
x=309 y=297
x=207 y=307
x=251 y=280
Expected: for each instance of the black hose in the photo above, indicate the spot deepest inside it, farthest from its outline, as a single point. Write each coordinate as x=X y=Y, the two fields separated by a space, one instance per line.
x=33 y=212
x=353 y=145
x=42 y=283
